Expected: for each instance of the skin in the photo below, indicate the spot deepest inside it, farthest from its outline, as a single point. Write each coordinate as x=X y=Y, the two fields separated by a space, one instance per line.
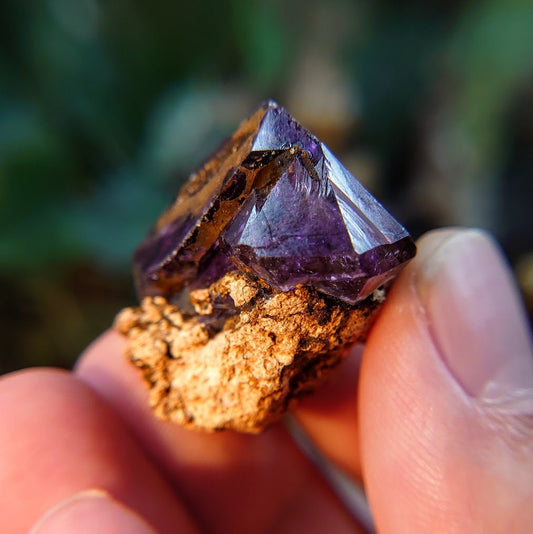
x=80 y=451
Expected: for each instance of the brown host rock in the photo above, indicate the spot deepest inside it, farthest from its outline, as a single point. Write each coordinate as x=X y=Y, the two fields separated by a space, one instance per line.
x=241 y=370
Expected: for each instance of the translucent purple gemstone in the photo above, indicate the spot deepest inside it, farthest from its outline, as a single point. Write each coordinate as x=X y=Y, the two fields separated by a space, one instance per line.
x=284 y=209
x=278 y=130
x=308 y=231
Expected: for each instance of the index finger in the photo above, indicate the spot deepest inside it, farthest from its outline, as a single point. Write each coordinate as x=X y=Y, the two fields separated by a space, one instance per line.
x=232 y=482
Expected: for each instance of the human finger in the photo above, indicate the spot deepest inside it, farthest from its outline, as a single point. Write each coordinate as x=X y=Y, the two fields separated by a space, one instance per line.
x=446 y=395
x=231 y=482
x=58 y=438
x=329 y=416
x=88 y=512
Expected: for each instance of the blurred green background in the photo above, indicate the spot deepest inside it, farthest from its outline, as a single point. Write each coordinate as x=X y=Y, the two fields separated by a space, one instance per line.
x=105 y=107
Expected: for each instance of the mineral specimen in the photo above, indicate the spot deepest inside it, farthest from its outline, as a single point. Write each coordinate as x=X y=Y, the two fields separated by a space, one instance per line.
x=259 y=276
x=276 y=203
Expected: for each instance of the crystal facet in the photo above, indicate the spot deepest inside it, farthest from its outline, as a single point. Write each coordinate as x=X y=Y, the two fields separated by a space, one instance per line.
x=274 y=202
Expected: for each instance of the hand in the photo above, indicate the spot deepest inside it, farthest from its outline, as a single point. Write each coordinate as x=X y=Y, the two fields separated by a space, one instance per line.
x=440 y=431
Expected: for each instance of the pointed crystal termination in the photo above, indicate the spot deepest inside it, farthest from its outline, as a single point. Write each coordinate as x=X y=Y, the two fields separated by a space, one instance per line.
x=274 y=202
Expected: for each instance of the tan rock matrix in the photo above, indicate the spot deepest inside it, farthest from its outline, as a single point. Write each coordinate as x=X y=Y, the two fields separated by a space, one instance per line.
x=243 y=352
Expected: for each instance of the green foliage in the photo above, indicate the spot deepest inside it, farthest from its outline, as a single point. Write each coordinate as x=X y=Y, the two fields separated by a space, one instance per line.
x=490 y=54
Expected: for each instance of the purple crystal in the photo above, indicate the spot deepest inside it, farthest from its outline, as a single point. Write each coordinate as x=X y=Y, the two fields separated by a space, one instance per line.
x=274 y=202
x=279 y=130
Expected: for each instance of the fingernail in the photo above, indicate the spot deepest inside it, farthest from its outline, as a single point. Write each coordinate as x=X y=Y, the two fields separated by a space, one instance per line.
x=476 y=316
x=90 y=511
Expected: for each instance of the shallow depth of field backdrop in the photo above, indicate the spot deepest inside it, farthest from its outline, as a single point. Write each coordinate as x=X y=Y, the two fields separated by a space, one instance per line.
x=105 y=107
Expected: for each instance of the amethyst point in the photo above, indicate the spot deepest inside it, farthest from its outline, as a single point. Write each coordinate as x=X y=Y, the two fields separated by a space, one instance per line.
x=274 y=202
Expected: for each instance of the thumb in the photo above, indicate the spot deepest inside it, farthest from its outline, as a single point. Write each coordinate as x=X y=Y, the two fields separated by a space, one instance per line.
x=446 y=395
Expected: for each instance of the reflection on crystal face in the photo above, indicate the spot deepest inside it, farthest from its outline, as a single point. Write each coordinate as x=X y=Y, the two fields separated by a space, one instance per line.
x=278 y=130
x=275 y=203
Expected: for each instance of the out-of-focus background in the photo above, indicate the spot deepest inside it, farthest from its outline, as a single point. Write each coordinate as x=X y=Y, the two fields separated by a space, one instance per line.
x=105 y=107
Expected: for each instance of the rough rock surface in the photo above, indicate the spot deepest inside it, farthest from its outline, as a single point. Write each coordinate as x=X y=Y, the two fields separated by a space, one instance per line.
x=244 y=354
